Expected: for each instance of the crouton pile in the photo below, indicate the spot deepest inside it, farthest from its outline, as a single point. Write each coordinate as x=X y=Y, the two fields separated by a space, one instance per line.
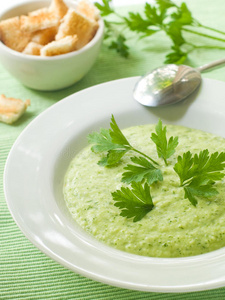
x=52 y=30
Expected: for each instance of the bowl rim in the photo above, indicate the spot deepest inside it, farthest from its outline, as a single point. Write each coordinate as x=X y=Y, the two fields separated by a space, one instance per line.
x=98 y=36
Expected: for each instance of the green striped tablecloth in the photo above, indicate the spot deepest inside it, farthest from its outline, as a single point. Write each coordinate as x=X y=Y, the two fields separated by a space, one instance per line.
x=25 y=272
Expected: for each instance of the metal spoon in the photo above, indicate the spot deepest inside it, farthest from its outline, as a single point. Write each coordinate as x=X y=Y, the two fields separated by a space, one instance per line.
x=169 y=84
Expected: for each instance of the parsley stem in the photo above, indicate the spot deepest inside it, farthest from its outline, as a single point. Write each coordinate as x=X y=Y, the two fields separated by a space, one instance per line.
x=204 y=47
x=212 y=29
x=203 y=34
x=143 y=154
x=209 y=47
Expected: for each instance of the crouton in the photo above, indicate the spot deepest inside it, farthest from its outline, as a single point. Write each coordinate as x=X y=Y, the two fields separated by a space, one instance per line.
x=38 y=12
x=59 y=8
x=11 y=109
x=12 y=35
x=88 y=9
x=44 y=36
x=61 y=46
x=43 y=20
x=75 y=23
x=32 y=49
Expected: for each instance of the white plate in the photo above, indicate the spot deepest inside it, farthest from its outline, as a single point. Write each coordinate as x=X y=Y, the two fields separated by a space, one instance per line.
x=37 y=163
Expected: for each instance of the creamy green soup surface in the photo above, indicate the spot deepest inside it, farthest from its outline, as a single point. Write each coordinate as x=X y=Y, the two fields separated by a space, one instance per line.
x=174 y=228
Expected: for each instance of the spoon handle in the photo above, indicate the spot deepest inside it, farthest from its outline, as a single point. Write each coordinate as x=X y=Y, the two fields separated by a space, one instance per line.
x=211 y=65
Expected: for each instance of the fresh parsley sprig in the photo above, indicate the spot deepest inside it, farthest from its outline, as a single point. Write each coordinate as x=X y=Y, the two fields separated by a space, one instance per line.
x=114 y=143
x=135 y=202
x=198 y=173
x=162 y=16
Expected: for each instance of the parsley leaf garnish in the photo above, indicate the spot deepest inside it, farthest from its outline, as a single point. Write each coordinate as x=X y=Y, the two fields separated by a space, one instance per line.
x=112 y=158
x=114 y=143
x=135 y=202
x=102 y=141
x=142 y=169
x=164 y=148
x=194 y=189
x=117 y=135
x=111 y=141
x=198 y=173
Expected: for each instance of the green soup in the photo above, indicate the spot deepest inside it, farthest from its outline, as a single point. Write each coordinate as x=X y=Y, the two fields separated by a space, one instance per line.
x=174 y=228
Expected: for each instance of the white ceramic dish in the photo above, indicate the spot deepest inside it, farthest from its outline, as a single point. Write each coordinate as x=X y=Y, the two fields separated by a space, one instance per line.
x=48 y=73
x=36 y=165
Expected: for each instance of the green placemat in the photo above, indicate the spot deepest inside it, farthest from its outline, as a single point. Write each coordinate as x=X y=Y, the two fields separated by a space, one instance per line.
x=25 y=272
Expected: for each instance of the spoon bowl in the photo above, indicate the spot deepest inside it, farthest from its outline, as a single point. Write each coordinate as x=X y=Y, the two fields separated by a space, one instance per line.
x=166 y=85
x=169 y=84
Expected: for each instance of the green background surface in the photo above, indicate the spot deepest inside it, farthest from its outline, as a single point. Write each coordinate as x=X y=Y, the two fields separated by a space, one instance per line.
x=25 y=272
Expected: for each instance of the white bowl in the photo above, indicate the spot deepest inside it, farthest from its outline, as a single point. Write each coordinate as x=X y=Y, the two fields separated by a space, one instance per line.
x=48 y=73
x=36 y=166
